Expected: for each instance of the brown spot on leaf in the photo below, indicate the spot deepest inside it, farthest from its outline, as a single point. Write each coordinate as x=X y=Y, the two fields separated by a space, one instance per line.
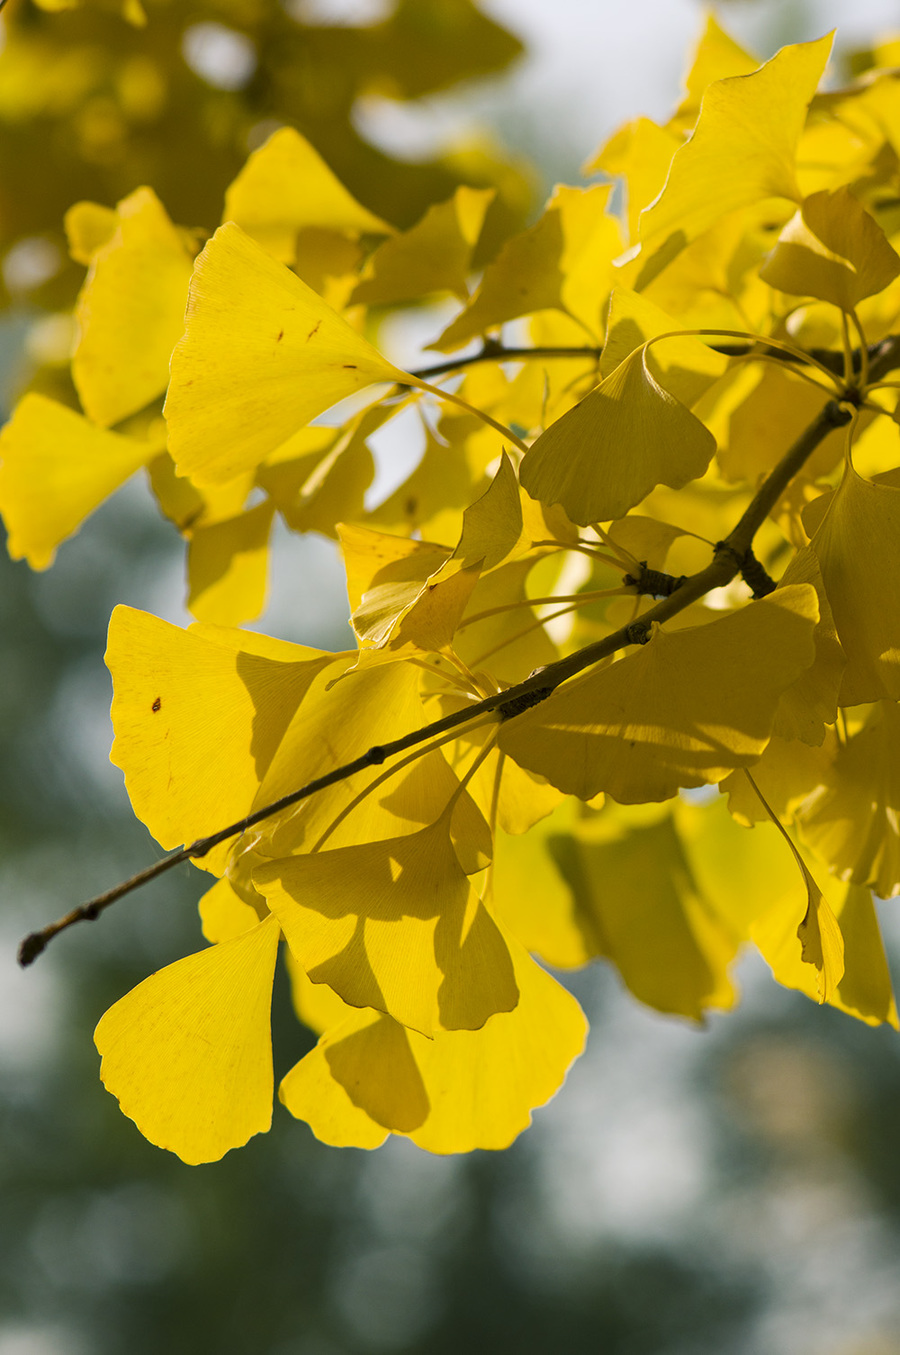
x=280 y=336
x=157 y=705
x=350 y=367
x=313 y=331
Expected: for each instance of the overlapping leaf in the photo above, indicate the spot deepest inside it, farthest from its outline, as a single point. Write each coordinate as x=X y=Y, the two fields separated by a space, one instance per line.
x=684 y=710
x=262 y=355
x=613 y=448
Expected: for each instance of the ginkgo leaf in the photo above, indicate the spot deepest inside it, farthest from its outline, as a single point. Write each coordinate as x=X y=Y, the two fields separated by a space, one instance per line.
x=343 y=711
x=682 y=711
x=372 y=558
x=683 y=365
x=55 y=469
x=607 y=454
x=188 y=1053
x=852 y=818
x=225 y=914
x=228 y=567
x=640 y=153
x=742 y=151
x=821 y=942
x=459 y=1091
x=717 y=57
x=395 y=925
x=865 y=989
x=531 y=897
x=198 y=717
x=639 y=906
x=493 y=526
x=754 y=883
x=285 y=186
x=832 y=249
x=261 y=356
x=88 y=225
x=130 y=311
x=435 y=255
x=810 y=703
x=857 y=545
x=563 y=262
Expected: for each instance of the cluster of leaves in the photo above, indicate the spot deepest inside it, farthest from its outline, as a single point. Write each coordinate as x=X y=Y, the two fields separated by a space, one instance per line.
x=566 y=616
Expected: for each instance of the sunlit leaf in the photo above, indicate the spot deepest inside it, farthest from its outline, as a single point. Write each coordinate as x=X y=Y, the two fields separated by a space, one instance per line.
x=459 y=1091
x=228 y=567
x=433 y=256
x=395 y=925
x=563 y=262
x=741 y=151
x=130 y=311
x=684 y=710
x=640 y=907
x=858 y=549
x=198 y=717
x=262 y=355
x=56 y=469
x=285 y=186
x=188 y=1053
x=832 y=249
x=607 y=453
x=852 y=819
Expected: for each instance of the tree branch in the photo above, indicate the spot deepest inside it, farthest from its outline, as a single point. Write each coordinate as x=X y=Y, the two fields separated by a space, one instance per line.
x=728 y=559
x=492 y=350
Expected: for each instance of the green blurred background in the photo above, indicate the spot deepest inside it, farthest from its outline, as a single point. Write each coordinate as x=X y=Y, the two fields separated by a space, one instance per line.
x=732 y=1190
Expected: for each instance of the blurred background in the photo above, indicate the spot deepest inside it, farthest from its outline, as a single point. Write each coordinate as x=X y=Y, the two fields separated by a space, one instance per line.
x=734 y=1189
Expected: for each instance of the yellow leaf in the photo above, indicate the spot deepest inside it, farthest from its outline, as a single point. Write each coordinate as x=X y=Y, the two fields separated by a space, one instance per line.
x=682 y=711
x=262 y=355
x=639 y=906
x=832 y=249
x=741 y=151
x=493 y=526
x=225 y=914
x=640 y=152
x=88 y=226
x=564 y=262
x=858 y=548
x=188 y=1053
x=531 y=897
x=683 y=366
x=821 y=943
x=228 y=567
x=434 y=256
x=286 y=186
x=198 y=717
x=344 y=712
x=718 y=57
x=605 y=455
x=810 y=703
x=852 y=818
x=511 y=640
x=56 y=469
x=130 y=311
x=754 y=884
x=395 y=925
x=865 y=991
x=460 y=1091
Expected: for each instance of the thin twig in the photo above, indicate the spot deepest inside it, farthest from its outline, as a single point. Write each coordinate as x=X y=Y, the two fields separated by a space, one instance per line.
x=494 y=351
x=726 y=563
